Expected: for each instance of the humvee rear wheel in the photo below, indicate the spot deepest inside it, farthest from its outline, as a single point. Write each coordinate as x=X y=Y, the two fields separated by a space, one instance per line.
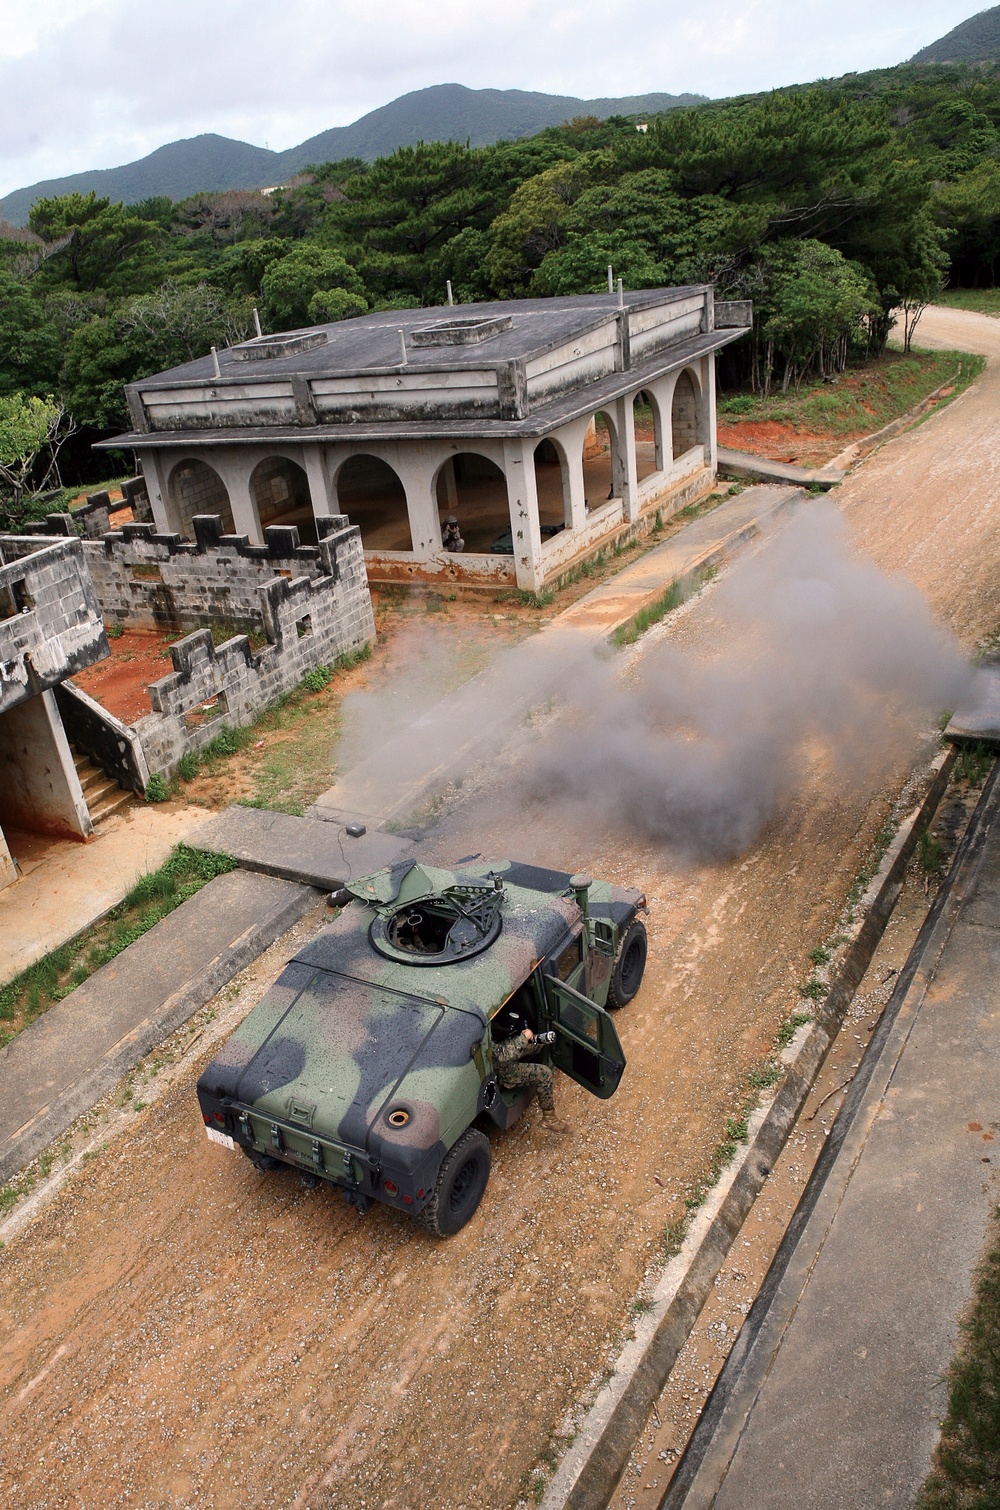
x=461 y=1181
x=262 y=1161
x=630 y=962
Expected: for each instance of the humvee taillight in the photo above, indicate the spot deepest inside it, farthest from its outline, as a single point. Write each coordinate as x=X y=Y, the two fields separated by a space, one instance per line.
x=390 y=1187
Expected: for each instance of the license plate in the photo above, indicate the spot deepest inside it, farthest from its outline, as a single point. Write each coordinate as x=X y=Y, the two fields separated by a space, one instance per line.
x=219 y=1137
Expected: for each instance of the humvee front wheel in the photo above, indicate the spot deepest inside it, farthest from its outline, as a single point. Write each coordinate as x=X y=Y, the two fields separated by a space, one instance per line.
x=461 y=1181
x=630 y=962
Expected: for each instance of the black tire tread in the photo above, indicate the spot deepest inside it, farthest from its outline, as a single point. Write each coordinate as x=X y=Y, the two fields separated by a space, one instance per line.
x=429 y=1216
x=617 y=996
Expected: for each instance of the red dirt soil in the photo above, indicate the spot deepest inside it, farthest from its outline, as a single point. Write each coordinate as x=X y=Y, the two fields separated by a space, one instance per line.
x=780 y=442
x=121 y=683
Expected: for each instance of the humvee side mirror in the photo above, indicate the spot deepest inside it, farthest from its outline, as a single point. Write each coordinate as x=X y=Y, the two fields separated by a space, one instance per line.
x=604 y=935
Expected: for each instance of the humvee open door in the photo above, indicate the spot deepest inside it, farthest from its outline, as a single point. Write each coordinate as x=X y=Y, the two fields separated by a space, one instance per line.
x=587 y=1047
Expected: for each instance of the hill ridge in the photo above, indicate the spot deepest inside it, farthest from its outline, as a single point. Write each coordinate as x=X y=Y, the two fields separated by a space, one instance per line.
x=209 y=162
x=976 y=40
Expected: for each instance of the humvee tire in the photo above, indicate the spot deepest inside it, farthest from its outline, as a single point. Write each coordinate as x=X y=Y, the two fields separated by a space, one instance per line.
x=630 y=962
x=263 y=1161
x=461 y=1181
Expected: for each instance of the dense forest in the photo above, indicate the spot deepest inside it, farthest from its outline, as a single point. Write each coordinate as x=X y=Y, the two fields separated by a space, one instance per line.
x=837 y=208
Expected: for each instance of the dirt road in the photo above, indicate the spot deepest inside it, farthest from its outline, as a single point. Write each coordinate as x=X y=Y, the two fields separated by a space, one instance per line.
x=179 y=1330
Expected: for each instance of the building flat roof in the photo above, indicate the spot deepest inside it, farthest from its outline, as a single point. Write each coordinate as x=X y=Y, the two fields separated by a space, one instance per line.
x=370 y=343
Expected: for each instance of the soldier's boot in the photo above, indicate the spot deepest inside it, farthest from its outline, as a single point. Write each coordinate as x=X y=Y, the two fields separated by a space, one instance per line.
x=554 y=1124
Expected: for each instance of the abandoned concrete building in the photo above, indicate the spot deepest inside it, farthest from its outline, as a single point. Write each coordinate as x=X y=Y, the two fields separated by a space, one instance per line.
x=548 y=427
x=50 y=626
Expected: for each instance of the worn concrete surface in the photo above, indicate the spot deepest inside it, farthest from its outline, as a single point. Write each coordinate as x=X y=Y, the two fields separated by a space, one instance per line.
x=445 y=740
x=298 y=849
x=833 y=1392
x=979 y=717
x=59 y=1066
x=66 y=886
x=760 y=468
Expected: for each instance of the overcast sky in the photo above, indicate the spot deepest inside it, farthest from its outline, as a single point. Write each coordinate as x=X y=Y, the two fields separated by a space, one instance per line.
x=96 y=83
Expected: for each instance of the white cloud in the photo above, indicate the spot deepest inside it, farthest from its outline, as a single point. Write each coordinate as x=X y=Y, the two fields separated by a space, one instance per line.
x=95 y=83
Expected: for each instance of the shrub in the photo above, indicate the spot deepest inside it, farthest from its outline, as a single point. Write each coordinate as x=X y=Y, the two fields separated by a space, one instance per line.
x=156 y=788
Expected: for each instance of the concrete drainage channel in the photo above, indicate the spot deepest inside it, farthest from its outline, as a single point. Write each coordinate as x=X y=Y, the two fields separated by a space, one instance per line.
x=589 y=1473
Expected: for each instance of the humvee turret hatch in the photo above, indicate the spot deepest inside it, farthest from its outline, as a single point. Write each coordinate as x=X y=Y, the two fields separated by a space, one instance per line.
x=369 y=1063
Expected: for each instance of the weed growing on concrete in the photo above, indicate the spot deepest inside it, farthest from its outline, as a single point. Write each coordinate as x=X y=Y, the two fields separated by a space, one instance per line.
x=156 y=788
x=790 y=1027
x=973 y=763
x=153 y=896
x=673 y=1237
x=820 y=955
x=931 y=852
x=814 y=989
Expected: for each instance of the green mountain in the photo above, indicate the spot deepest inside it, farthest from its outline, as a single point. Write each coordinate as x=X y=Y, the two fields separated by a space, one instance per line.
x=445 y=112
x=974 y=41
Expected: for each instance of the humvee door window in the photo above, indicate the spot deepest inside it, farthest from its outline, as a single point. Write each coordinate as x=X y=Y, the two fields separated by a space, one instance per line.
x=566 y=962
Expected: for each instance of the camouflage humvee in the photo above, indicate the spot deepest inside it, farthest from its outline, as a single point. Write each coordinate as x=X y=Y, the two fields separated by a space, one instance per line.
x=370 y=1062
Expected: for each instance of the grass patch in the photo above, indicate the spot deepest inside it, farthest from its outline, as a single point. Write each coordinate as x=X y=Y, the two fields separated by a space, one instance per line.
x=153 y=896
x=291 y=770
x=974 y=763
x=982 y=301
x=790 y=1027
x=931 y=852
x=966 y=1470
x=676 y=594
x=862 y=400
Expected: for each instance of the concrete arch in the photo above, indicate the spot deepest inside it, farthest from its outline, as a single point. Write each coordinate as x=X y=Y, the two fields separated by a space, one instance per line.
x=686 y=429
x=648 y=433
x=552 y=485
x=602 y=459
x=196 y=488
x=370 y=493
x=280 y=491
x=472 y=486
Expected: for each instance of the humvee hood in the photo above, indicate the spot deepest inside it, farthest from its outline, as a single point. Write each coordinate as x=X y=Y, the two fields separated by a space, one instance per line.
x=343 y=1054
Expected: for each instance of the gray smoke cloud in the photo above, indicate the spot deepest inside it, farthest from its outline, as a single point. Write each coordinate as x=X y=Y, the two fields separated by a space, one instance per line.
x=810 y=662
x=823 y=662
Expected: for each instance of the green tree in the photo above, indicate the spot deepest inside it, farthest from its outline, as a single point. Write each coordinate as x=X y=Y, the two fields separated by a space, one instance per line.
x=100 y=245
x=32 y=432
x=306 y=274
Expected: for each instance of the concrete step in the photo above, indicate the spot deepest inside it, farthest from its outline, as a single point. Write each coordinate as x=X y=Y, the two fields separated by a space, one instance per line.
x=91 y=776
x=118 y=799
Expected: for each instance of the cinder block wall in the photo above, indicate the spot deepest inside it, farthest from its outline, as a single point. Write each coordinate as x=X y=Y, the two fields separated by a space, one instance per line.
x=309 y=621
x=50 y=622
x=146 y=580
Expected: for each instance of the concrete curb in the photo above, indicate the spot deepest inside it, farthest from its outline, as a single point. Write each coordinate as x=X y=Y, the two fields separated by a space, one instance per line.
x=589 y=1473
x=53 y=1120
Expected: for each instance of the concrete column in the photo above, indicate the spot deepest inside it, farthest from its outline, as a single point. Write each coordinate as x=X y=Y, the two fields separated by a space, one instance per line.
x=416 y=464
x=522 y=500
x=625 y=472
x=39 y=786
x=710 y=430
x=450 y=485
x=574 y=439
x=235 y=467
x=320 y=492
x=8 y=870
x=154 y=472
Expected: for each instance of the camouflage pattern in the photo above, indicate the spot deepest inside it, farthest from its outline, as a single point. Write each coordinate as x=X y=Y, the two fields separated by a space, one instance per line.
x=513 y=1074
x=373 y=1051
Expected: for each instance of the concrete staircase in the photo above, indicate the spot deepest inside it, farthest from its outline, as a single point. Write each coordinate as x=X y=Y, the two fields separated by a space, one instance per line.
x=104 y=796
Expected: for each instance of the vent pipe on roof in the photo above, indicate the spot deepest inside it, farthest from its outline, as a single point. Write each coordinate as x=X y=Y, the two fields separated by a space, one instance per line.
x=402 y=347
x=611 y=280
x=621 y=295
x=215 y=362
x=450 y=296
x=256 y=321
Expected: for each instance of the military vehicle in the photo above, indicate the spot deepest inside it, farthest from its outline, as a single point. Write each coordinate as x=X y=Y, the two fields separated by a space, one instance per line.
x=369 y=1064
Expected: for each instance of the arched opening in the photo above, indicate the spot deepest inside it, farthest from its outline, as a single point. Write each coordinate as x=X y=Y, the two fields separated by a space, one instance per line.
x=474 y=490
x=684 y=416
x=648 y=438
x=600 y=455
x=280 y=490
x=373 y=498
x=196 y=488
x=552 y=487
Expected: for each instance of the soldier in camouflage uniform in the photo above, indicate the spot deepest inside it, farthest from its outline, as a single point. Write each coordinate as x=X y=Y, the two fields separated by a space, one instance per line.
x=511 y=1074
